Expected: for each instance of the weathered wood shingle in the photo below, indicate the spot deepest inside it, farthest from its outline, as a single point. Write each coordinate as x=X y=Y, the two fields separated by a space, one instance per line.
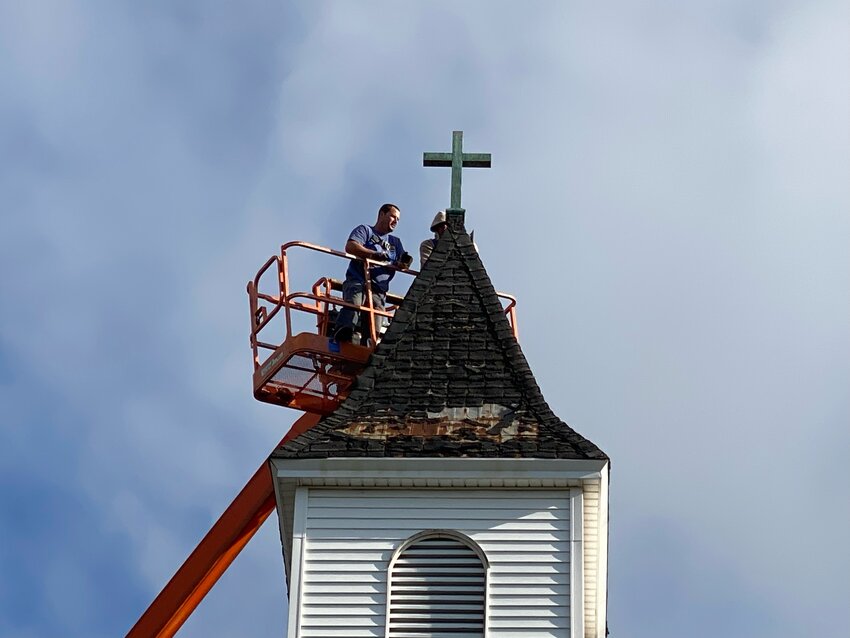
x=448 y=379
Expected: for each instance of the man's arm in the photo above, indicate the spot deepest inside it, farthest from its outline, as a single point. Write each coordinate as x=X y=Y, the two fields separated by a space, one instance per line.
x=425 y=249
x=352 y=247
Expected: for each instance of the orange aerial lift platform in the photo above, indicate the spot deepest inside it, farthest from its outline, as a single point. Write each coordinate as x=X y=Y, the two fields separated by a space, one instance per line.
x=308 y=370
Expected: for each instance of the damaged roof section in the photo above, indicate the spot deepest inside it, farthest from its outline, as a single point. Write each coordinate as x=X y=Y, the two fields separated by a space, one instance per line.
x=448 y=379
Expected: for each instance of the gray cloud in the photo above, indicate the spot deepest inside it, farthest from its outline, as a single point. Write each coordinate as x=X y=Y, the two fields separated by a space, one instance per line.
x=668 y=200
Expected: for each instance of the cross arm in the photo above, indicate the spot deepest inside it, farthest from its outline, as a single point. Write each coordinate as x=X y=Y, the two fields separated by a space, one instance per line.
x=437 y=159
x=470 y=160
x=476 y=160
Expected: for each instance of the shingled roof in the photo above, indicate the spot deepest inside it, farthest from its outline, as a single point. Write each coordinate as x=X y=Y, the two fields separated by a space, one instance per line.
x=448 y=379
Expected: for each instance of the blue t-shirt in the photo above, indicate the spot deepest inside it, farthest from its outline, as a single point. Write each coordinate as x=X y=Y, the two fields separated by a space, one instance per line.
x=388 y=244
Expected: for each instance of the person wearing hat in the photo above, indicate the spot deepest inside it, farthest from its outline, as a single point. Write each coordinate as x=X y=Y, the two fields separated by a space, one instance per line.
x=438 y=227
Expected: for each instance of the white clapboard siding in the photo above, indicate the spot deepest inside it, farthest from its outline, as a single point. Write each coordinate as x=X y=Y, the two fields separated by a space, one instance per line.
x=351 y=535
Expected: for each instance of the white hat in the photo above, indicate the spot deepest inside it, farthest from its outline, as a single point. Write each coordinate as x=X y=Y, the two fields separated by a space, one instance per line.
x=439 y=218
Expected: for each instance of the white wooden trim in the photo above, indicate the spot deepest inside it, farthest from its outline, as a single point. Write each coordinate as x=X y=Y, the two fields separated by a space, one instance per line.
x=287 y=559
x=434 y=482
x=298 y=532
x=441 y=533
x=576 y=563
x=602 y=572
x=438 y=468
x=486 y=589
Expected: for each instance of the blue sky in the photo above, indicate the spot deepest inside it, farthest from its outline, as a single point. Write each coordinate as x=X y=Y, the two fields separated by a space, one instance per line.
x=668 y=199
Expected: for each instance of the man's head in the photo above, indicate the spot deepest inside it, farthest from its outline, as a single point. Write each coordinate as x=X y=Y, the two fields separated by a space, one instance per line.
x=388 y=218
x=439 y=224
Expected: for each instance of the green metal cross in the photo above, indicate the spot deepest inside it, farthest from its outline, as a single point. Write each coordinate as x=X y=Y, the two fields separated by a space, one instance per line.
x=458 y=160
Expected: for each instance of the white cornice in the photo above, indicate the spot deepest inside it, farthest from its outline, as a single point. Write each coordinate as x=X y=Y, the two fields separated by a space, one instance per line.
x=438 y=468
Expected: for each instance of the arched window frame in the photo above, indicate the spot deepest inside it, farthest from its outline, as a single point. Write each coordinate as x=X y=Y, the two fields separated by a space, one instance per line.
x=428 y=535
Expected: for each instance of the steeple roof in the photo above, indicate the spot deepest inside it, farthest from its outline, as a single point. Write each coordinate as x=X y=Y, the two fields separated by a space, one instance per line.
x=448 y=379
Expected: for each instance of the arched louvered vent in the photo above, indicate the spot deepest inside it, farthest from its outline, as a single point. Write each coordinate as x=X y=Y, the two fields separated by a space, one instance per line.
x=438 y=588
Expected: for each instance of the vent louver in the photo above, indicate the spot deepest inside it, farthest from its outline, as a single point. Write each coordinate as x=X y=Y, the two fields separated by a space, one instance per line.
x=437 y=589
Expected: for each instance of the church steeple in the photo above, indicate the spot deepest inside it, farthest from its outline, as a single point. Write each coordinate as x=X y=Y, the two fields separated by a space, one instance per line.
x=448 y=379
x=443 y=497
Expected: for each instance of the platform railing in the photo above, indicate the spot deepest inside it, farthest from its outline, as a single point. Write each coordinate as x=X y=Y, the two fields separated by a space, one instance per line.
x=320 y=300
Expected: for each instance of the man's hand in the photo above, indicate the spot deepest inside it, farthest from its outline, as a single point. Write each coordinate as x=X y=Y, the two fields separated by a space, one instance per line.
x=359 y=250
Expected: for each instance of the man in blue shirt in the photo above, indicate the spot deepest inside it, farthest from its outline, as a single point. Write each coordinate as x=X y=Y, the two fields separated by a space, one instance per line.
x=375 y=243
